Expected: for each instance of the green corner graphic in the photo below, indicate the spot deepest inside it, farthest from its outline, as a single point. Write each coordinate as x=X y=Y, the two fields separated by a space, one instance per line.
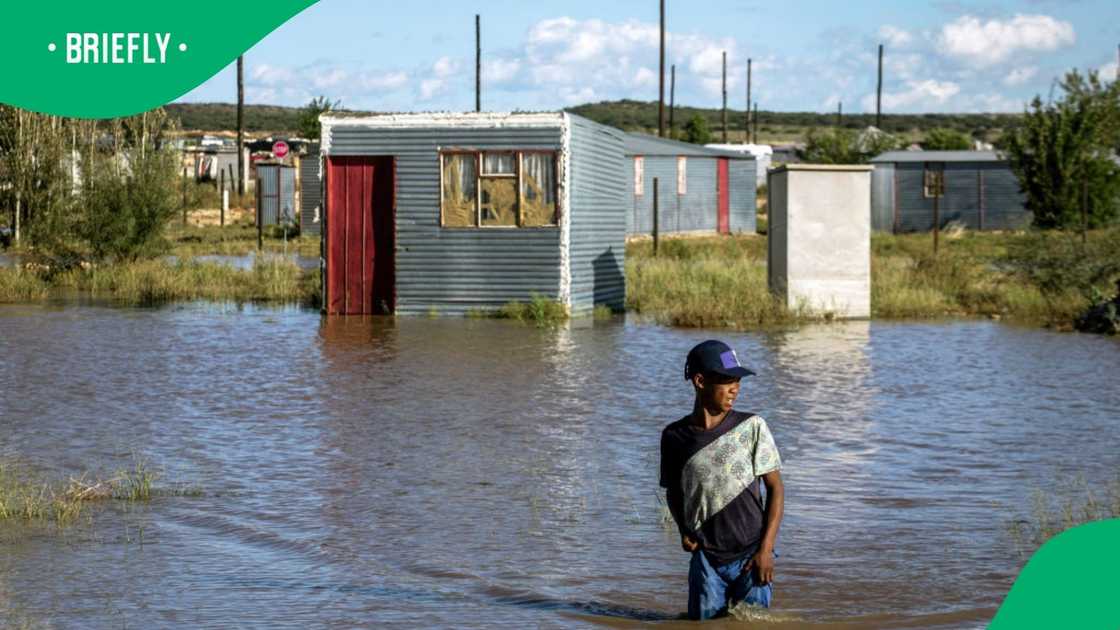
x=1071 y=582
x=107 y=59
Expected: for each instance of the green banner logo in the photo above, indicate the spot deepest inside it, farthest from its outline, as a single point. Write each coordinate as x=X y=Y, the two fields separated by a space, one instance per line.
x=107 y=59
x=1069 y=583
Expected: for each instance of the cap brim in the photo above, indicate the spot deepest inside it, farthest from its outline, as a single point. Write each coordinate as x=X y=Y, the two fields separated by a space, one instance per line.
x=738 y=372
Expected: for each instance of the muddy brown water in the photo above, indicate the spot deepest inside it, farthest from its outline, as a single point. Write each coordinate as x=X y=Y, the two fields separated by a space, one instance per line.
x=468 y=473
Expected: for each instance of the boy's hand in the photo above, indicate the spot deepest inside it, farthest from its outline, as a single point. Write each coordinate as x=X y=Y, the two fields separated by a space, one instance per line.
x=764 y=562
x=688 y=543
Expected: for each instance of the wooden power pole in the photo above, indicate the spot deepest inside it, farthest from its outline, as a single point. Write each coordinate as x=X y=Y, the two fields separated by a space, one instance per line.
x=725 y=97
x=747 y=113
x=477 y=63
x=240 y=125
x=879 y=93
x=661 y=79
x=672 y=97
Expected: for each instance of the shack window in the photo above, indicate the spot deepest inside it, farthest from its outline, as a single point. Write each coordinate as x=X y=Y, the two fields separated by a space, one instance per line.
x=460 y=189
x=682 y=175
x=538 y=189
x=499 y=189
x=933 y=181
x=639 y=176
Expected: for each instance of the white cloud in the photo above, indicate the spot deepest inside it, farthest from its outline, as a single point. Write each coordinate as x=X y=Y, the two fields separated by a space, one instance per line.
x=1019 y=76
x=498 y=71
x=895 y=37
x=615 y=59
x=388 y=81
x=429 y=88
x=987 y=43
x=1108 y=71
x=330 y=78
x=923 y=96
x=445 y=67
x=266 y=74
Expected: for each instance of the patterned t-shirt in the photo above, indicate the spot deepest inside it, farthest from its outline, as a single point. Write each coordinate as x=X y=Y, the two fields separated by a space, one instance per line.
x=713 y=481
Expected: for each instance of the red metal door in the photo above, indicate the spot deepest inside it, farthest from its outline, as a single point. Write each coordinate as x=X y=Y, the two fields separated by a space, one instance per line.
x=360 y=236
x=723 y=217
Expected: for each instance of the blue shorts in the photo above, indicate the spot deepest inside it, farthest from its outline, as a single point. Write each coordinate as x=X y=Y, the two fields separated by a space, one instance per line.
x=711 y=589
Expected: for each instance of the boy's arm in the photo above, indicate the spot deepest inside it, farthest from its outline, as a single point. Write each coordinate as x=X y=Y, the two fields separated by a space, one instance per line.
x=676 y=502
x=775 y=504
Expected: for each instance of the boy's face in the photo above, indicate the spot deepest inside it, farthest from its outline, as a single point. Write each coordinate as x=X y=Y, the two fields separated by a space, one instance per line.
x=717 y=391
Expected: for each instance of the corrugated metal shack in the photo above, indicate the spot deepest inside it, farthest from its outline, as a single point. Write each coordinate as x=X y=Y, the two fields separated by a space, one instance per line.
x=454 y=212
x=700 y=190
x=974 y=188
x=310 y=210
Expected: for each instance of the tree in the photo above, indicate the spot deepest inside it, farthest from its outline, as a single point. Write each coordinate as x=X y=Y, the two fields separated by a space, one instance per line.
x=942 y=139
x=1064 y=148
x=844 y=146
x=696 y=130
x=309 y=116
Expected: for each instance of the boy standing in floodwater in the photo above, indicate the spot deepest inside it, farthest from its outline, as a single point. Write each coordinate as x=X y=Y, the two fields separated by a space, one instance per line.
x=713 y=464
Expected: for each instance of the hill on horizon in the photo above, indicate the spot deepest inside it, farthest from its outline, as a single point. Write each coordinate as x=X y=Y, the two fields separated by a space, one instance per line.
x=641 y=116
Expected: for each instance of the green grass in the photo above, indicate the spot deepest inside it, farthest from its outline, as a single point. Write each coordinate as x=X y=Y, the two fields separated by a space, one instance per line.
x=28 y=497
x=1043 y=278
x=539 y=311
x=157 y=282
x=234 y=240
x=20 y=285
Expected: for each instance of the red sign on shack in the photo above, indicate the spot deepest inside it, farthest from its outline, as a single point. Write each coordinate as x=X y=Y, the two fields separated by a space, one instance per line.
x=279 y=149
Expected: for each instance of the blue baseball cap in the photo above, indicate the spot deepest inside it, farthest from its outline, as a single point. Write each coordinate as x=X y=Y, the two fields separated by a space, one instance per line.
x=714 y=356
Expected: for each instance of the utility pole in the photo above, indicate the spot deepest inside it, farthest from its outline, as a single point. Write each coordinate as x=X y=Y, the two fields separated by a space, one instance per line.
x=747 y=113
x=672 y=95
x=839 y=113
x=477 y=63
x=754 y=119
x=240 y=125
x=879 y=93
x=725 y=97
x=661 y=80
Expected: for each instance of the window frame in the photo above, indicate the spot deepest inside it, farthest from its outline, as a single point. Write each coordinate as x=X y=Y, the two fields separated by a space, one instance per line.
x=639 y=175
x=516 y=176
x=937 y=171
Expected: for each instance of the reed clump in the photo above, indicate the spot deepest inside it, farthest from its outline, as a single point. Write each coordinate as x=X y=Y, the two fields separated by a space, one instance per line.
x=28 y=497
x=18 y=284
x=1051 y=515
x=538 y=311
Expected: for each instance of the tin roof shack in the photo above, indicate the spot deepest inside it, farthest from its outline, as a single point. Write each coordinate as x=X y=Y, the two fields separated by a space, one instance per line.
x=454 y=212
x=700 y=190
x=974 y=188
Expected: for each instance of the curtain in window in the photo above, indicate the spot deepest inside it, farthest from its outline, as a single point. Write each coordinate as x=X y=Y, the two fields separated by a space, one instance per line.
x=460 y=189
x=497 y=163
x=538 y=189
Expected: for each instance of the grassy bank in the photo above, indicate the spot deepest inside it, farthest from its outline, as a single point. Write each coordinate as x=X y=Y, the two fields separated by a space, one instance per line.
x=271 y=280
x=1052 y=514
x=1036 y=278
x=235 y=240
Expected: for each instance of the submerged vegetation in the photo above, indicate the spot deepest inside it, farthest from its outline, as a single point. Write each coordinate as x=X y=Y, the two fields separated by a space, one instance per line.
x=1041 y=278
x=28 y=497
x=1050 y=516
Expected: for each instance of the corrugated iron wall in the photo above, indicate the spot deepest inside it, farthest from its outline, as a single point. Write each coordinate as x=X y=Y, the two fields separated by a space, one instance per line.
x=882 y=197
x=598 y=218
x=1003 y=205
x=276 y=194
x=310 y=221
x=743 y=187
x=454 y=270
x=695 y=211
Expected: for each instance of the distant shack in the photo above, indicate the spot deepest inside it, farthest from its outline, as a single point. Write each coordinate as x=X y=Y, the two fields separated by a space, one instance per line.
x=700 y=190
x=974 y=188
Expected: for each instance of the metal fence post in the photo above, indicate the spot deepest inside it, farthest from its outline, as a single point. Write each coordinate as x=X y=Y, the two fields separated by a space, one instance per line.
x=655 y=216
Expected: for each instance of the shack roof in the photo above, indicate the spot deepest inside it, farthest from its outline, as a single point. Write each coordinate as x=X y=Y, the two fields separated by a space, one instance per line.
x=937 y=156
x=642 y=144
x=471 y=120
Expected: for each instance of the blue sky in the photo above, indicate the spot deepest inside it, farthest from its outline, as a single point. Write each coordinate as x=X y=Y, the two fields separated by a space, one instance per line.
x=941 y=56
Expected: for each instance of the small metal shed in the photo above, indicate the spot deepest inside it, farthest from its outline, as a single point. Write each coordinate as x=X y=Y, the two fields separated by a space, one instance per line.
x=452 y=212
x=700 y=190
x=974 y=188
x=276 y=194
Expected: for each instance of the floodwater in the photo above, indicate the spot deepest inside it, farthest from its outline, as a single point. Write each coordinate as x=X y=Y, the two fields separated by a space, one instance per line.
x=448 y=472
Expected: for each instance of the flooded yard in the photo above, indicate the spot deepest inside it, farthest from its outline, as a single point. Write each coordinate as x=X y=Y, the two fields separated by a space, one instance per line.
x=361 y=472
